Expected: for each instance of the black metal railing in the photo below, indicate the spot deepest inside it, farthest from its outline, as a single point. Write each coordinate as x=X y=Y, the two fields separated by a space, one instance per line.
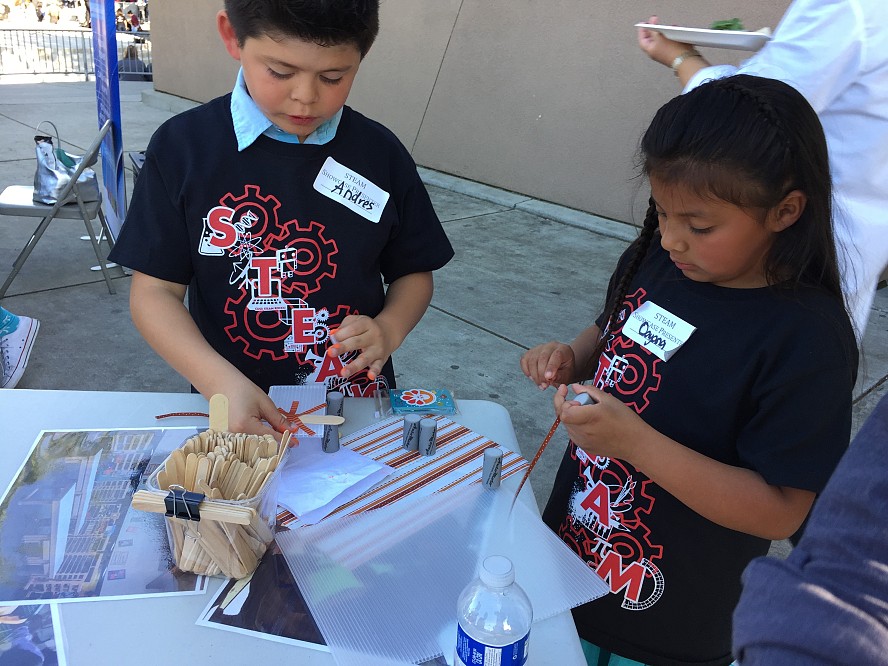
x=63 y=51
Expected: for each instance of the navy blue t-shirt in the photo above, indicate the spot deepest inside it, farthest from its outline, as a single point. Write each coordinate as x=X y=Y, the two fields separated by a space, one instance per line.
x=279 y=242
x=764 y=382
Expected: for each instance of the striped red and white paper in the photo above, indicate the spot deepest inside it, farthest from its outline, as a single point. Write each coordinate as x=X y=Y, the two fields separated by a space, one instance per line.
x=457 y=463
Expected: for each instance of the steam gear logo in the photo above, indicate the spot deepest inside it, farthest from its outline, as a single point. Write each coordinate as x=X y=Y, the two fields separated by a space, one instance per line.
x=610 y=501
x=275 y=266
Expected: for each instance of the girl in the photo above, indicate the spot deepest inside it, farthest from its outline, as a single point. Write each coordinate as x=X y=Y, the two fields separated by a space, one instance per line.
x=722 y=379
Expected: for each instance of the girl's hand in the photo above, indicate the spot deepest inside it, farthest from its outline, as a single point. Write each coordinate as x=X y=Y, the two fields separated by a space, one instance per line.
x=660 y=48
x=250 y=410
x=549 y=364
x=607 y=427
x=365 y=335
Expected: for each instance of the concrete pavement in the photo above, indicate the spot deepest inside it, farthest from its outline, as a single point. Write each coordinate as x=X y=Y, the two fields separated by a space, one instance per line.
x=524 y=273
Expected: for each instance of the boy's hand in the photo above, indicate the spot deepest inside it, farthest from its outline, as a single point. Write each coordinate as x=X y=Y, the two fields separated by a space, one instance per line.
x=363 y=334
x=549 y=364
x=608 y=427
x=252 y=411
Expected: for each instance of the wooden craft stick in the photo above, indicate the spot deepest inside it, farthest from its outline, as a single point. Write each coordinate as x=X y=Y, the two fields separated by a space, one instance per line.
x=261 y=529
x=163 y=481
x=218 y=462
x=190 y=471
x=252 y=541
x=176 y=466
x=241 y=549
x=256 y=483
x=252 y=448
x=204 y=468
x=322 y=419
x=219 y=413
x=177 y=530
x=245 y=474
x=231 y=476
x=190 y=550
x=153 y=501
x=258 y=477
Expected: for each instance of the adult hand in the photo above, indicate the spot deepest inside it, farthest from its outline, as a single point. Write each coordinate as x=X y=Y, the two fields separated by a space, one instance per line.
x=549 y=364
x=658 y=47
x=364 y=335
x=608 y=427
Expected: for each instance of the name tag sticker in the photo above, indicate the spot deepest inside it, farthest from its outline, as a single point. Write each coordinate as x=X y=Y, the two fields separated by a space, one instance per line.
x=351 y=189
x=657 y=330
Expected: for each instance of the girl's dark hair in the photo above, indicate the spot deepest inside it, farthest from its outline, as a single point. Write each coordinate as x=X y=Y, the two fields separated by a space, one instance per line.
x=749 y=141
x=324 y=22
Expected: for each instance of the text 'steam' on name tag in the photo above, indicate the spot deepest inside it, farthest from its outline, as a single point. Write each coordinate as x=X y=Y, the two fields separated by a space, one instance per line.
x=351 y=189
x=657 y=330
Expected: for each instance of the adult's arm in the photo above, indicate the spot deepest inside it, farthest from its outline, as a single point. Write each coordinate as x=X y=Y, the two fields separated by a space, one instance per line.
x=827 y=603
x=817 y=48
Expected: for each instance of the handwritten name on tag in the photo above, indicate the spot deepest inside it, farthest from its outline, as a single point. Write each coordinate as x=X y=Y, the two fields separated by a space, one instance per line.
x=351 y=189
x=657 y=330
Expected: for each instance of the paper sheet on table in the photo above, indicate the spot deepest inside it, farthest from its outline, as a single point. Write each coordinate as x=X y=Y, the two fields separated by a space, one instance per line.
x=457 y=464
x=314 y=483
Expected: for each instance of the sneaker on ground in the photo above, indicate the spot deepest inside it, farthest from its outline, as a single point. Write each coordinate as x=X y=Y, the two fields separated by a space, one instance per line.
x=15 y=348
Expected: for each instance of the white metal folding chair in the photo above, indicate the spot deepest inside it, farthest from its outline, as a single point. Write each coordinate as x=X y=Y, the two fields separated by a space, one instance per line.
x=18 y=200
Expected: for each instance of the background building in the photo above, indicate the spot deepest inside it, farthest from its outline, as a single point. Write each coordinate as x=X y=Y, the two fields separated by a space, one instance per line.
x=544 y=97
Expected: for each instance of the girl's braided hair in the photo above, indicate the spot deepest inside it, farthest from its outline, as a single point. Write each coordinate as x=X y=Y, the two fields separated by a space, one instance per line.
x=748 y=141
x=637 y=251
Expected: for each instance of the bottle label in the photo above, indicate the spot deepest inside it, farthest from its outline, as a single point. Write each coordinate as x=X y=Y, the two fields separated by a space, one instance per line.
x=470 y=652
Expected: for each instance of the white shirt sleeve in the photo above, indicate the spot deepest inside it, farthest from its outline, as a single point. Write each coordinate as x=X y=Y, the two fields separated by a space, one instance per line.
x=818 y=48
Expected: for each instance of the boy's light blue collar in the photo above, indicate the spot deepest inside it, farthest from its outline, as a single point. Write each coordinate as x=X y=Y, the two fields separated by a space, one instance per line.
x=250 y=122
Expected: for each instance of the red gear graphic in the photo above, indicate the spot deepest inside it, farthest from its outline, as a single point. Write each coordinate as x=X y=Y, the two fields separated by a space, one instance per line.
x=260 y=332
x=263 y=332
x=264 y=208
x=313 y=256
x=640 y=377
x=628 y=544
x=332 y=322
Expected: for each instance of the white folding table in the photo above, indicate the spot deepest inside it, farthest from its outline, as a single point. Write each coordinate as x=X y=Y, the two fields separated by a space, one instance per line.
x=162 y=630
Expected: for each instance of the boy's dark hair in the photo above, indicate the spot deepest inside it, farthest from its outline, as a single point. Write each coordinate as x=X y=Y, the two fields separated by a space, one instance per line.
x=324 y=22
x=749 y=141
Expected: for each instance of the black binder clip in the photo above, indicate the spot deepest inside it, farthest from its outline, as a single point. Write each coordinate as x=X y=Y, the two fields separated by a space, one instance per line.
x=183 y=504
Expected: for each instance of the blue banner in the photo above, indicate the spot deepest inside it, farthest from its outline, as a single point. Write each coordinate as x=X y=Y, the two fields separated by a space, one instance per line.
x=108 y=98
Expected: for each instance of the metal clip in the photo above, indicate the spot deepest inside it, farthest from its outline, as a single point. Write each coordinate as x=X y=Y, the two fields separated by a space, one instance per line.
x=183 y=504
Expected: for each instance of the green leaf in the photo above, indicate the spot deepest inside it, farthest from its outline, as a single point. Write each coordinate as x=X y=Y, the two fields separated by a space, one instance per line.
x=727 y=24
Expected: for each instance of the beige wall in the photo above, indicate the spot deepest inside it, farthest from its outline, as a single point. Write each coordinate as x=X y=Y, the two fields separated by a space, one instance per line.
x=544 y=97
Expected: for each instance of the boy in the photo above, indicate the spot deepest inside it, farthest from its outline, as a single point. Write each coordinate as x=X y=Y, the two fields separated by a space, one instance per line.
x=279 y=208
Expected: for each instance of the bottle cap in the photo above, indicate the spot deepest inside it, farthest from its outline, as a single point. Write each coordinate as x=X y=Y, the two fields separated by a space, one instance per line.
x=497 y=571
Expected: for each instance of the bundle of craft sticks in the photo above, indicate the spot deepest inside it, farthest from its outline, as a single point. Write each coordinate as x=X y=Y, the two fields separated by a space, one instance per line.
x=235 y=472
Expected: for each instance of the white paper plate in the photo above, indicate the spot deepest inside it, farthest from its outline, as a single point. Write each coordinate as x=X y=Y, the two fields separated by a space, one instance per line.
x=725 y=39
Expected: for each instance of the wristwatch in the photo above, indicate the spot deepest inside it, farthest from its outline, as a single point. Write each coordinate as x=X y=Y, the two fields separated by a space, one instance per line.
x=681 y=57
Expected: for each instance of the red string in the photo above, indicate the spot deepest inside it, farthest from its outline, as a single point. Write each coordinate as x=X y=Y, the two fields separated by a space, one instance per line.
x=293 y=416
x=166 y=416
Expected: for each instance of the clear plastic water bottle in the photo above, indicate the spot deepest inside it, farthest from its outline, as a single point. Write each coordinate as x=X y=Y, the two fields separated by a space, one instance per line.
x=493 y=617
